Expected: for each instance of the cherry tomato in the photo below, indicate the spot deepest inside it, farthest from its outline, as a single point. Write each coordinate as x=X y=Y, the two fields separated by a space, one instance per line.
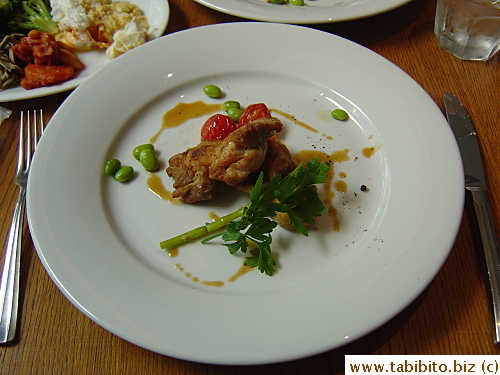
x=254 y=112
x=217 y=127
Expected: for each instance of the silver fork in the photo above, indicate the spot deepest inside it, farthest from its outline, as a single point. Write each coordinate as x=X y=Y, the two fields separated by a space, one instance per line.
x=30 y=131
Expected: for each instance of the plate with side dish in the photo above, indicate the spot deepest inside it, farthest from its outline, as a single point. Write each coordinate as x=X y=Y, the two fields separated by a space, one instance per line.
x=157 y=12
x=395 y=196
x=313 y=11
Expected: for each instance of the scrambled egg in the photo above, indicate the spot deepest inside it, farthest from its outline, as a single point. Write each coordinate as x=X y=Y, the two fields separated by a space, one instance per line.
x=131 y=36
x=86 y=24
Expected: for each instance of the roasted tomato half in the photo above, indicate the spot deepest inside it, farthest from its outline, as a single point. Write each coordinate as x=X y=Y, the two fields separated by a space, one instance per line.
x=217 y=127
x=254 y=112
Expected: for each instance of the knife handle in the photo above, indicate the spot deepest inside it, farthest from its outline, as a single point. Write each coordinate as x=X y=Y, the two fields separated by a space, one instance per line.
x=491 y=252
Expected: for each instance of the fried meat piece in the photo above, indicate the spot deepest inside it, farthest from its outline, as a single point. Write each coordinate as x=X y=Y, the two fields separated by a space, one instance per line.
x=243 y=151
x=189 y=170
x=230 y=160
x=278 y=161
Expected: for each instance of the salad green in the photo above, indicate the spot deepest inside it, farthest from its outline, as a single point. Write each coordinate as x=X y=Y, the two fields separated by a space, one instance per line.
x=26 y=15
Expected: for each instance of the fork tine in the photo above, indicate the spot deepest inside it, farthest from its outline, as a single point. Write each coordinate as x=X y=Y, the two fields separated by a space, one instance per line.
x=22 y=137
x=35 y=131
x=29 y=141
x=40 y=128
x=42 y=124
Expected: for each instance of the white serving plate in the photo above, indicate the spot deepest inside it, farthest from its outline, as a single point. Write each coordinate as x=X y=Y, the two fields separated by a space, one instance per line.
x=314 y=11
x=157 y=12
x=98 y=239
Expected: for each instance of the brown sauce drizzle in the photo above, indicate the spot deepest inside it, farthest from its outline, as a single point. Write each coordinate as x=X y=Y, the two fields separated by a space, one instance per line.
x=183 y=112
x=218 y=284
x=213 y=216
x=340 y=186
x=369 y=152
x=298 y=122
x=339 y=156
x=242 y=271
x=291 y=118
x=195 y=279
x=156 y=186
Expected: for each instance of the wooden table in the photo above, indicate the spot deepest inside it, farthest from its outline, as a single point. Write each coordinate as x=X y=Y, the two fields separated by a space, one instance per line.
x=452 y=316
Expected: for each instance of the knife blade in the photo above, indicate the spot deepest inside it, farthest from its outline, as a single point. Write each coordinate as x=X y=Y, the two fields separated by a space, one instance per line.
x=475 y=183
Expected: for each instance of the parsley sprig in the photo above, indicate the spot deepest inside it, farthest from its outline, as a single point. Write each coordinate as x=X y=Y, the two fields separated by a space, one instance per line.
x=295 y=195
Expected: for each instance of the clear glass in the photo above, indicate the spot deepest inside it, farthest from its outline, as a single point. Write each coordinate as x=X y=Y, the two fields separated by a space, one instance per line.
x=468 y=29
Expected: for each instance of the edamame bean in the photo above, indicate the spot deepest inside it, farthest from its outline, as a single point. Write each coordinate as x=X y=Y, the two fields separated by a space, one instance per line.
x=137 y=151
x=112 y=166
x=234 y=114
x=231 y=104
x=149 y=160
x=296 y=2
x=124 y=174
x=212 y=91
x=339 y=114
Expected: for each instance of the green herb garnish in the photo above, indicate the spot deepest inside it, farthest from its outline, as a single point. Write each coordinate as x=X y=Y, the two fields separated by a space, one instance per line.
x=295 y=195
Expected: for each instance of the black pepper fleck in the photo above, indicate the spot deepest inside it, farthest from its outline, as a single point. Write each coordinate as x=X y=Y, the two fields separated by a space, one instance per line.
x=363 y=188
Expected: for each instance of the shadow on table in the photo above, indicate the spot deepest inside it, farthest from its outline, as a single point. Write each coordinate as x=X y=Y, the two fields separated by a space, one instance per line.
x=372 y=30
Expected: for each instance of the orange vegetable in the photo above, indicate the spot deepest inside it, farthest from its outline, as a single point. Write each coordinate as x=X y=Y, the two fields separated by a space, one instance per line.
x=45 y=75
x=46 y=60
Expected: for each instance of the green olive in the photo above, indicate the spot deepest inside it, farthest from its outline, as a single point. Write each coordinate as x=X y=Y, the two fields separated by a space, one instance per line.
x=231 y=104
x=137 y=151
x=124 y=174
x=339 y=114
x=112 y=166
x=212 y=91
x=234 y=114
x=149 y=160
x=296 y=2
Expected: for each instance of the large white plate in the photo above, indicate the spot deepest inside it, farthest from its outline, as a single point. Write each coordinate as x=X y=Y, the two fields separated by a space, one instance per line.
x=158 y=13
x=98 y=239
x=314 y=11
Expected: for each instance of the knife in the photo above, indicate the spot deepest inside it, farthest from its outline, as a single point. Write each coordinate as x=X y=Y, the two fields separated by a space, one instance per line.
x=475 y=183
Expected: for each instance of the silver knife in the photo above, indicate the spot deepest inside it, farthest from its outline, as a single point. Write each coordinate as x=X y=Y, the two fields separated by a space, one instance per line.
x=475 y=183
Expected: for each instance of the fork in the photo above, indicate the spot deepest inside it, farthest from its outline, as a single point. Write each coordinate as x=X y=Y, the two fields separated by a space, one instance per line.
x=31 y=129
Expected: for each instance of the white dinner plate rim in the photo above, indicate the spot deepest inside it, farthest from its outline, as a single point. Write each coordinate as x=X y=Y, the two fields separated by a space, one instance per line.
x=104 y=309
x=293 y=14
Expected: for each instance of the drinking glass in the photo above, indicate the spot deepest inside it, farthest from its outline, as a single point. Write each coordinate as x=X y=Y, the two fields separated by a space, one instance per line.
x=468 y=29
